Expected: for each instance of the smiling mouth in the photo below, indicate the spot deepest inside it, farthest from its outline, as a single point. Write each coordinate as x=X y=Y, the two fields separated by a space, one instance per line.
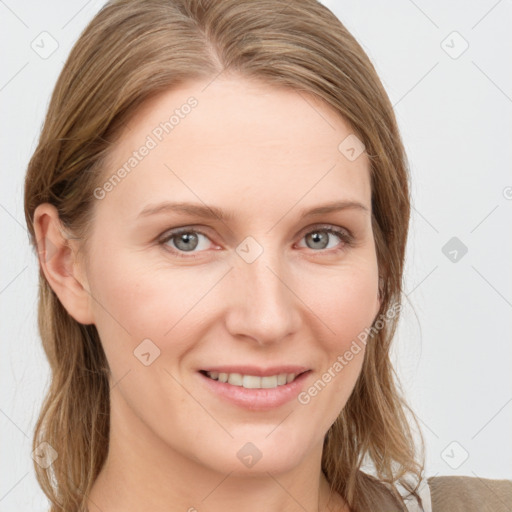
x=252 y=381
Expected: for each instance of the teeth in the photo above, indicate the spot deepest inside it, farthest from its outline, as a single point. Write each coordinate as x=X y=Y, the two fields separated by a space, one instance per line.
x=235 y=379
x=253 y=381
x=269 y=381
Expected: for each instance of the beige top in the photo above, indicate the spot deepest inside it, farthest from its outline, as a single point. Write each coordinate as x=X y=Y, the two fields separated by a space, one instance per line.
x=463 y=494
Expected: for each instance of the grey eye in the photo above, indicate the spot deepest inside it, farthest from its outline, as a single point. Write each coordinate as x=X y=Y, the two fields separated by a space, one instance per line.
x=186 y=241
x=319 y=239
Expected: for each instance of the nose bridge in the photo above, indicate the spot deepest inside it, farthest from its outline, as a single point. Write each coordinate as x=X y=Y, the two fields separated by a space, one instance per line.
x=263 y=306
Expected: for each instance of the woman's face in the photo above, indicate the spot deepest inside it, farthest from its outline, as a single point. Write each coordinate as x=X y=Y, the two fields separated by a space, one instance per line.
x=255 y=284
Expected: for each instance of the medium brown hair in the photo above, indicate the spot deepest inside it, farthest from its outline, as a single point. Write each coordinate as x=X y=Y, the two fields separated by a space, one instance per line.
x=135 y=49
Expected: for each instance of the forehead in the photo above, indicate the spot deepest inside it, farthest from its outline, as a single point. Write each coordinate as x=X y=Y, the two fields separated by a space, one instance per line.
x=237 y=141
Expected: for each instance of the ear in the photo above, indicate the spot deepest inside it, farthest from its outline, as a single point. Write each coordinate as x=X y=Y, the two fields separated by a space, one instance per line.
x=58 y=260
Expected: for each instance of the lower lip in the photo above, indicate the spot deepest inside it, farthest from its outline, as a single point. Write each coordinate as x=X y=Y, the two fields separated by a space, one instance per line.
x=257 y=399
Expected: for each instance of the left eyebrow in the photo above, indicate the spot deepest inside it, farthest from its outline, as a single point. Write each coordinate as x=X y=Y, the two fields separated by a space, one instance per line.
x=212 y=212
x=333 y=207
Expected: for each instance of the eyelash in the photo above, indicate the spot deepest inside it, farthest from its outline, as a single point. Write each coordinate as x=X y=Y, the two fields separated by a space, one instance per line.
x=346 y=238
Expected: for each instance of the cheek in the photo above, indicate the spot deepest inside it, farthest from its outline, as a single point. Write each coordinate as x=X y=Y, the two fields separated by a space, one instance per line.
x=345 y=301
x=136 y=298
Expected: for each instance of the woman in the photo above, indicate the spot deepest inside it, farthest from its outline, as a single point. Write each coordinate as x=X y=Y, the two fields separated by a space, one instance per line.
x=220 y=203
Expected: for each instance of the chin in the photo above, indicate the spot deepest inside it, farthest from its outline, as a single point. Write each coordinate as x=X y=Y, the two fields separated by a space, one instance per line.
x=258 y=454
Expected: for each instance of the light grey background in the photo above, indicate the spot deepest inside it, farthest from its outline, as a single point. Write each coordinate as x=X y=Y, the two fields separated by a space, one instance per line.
x=453 y=349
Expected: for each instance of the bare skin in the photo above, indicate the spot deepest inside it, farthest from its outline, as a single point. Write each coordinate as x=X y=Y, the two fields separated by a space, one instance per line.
x=264 y=154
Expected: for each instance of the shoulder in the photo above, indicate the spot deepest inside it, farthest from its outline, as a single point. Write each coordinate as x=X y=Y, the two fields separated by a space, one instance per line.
x=467 y=493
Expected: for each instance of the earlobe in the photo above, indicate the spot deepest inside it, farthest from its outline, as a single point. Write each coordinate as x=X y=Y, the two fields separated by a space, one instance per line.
x=57 y=254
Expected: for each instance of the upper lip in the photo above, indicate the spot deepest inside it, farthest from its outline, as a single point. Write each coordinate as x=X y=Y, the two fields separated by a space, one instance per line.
x=256 y=370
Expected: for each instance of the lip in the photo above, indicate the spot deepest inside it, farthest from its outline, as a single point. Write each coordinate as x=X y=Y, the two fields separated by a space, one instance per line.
x=257 y=371
x=256 y=399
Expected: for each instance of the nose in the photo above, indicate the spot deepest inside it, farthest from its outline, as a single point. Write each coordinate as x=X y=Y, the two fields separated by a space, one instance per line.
x=262 y=303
